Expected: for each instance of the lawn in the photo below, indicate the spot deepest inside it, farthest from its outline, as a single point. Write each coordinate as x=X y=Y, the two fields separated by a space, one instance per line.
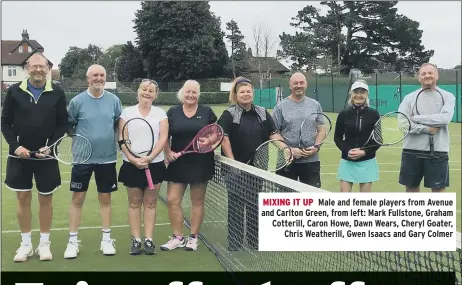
x=203 y=259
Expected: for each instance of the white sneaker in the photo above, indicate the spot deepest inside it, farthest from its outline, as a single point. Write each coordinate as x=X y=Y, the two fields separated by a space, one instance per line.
x=173 y=243
x=43 y=250
x=24 y=251
x=192 y=244
x=72 y=249
x=108 y=247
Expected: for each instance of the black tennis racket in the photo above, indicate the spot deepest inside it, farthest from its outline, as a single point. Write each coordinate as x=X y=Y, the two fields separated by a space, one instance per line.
x=428 y=102
x=314 y=130
x=271 y=155
x=69 y=149
x=138 y=138
x=390 y=129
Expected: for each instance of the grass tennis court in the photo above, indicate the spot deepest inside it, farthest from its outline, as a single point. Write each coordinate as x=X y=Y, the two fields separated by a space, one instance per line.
x=203 y=259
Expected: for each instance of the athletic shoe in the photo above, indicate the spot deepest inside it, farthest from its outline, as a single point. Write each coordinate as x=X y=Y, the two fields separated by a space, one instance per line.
x=72 y=249
x=108 y=247
x=192 y=244
x=24 y=251
x=173 y=243
x=136 y=247
x=44 y=252
x=149 y=247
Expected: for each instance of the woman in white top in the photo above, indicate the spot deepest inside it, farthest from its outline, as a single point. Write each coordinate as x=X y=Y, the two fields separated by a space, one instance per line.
x=132 y=173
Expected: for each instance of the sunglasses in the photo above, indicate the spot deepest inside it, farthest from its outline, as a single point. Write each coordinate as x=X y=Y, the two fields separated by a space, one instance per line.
x=150 y=81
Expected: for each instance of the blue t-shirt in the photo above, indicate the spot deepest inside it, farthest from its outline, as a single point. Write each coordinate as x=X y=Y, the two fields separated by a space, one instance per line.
x=34 y=90
x=96 y=119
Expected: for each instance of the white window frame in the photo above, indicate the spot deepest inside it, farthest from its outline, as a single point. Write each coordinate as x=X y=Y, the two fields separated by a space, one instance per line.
x=20 y=49
x=29 y=49
x=11 y=71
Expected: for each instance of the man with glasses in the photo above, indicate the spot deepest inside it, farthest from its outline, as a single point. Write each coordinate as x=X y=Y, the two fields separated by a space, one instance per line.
x=34 y=116
x=94 y=114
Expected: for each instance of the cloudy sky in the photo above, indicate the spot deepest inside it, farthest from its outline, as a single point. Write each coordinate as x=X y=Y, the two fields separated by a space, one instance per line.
x=58 y=25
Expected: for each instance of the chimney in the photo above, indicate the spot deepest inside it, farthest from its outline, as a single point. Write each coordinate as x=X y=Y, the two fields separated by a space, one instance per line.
x=25 y=35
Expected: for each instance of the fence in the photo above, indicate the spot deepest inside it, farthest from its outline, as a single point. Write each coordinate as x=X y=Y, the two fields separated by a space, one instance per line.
x=385 y=92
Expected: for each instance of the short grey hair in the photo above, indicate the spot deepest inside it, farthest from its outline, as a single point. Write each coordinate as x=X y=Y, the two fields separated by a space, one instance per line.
x=37 y=54
x=93 y=65
x=180 y=94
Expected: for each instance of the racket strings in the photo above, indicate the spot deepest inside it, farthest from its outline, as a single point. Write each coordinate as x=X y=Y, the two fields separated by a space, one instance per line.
x=138 y=137
x=310 y=129
x=73 y=149
x=391 y=128
x=272 y=156
x=208 y=139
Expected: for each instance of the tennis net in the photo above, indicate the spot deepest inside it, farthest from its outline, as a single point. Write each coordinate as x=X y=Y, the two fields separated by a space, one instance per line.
x=235 y=184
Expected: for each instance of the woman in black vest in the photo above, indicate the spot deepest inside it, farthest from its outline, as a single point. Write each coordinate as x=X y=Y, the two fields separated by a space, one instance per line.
x=245 y=126
x=352 y=130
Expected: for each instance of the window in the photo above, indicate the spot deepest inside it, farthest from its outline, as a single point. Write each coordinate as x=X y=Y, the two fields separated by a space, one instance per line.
x=29 y=49
x=20 y=49
x=11 y=71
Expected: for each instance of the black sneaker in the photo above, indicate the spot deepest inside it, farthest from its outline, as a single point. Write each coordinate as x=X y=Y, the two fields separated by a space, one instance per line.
x=149 y=247
x=136 y=247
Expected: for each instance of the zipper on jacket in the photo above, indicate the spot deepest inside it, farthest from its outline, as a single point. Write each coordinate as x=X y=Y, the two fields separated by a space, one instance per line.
x=357 y=126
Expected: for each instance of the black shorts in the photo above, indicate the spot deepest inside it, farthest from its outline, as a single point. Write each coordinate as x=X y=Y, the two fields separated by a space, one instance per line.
x=133 y=177
x=191 y=168
x=105 y=177
x=307 y=172
x=19 y=173
x=435 y=171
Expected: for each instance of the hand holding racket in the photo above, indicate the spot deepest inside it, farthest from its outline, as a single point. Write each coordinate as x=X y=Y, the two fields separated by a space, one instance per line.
x=205 y=141
x=138 y=138
x=69 y=149
x=390 y=129
x=429 y=103
x=272 y=155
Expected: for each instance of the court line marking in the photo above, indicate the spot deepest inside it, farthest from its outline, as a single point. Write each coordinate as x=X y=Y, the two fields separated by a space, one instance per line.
x=99 y=227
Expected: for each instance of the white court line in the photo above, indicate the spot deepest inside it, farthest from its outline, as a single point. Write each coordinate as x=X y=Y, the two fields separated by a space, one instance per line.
x=99 y=227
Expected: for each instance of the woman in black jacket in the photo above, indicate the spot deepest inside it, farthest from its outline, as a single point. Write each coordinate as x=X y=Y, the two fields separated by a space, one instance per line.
x=353 y=128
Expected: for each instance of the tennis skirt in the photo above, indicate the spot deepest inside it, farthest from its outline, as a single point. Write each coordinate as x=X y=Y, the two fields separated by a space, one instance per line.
x=358 y=171
x=133 y=177
x=191 y=168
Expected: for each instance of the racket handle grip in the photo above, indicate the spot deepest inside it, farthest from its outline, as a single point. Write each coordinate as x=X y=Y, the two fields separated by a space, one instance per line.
x=149 y=177
x=432 y=146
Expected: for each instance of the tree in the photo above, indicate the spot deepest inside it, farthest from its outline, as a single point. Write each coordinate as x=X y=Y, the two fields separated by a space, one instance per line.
x=77 y=60
x=239 y=56
x=130 y=64
x=263 y=43
x=180 y=40
x=110 y=58
x=376 y=37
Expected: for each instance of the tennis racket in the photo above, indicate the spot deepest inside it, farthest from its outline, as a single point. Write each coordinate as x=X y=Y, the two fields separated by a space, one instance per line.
x=138 y=138
x=314 y=130
x=206 y=140
x=390 y=129
x=69 y=149
x=272 y=155
x=429 y=103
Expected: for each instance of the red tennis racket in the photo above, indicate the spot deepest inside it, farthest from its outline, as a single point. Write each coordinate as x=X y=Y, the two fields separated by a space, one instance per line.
x=206 y=140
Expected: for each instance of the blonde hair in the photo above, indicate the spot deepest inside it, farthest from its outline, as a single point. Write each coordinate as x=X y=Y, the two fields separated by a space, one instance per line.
x=238 y=82
x=350 y=100
x=180 y=94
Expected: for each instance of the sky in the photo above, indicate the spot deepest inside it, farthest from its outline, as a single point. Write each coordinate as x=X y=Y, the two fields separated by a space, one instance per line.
x=59 y=25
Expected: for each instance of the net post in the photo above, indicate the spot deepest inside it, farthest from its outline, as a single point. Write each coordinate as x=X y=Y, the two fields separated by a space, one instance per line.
x=316 y=86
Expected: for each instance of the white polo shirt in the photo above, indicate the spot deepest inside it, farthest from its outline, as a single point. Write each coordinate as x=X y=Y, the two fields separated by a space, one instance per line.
x=156 y=115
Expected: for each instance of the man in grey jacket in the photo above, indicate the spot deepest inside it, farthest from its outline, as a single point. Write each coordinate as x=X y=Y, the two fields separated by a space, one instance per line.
x=416 y=162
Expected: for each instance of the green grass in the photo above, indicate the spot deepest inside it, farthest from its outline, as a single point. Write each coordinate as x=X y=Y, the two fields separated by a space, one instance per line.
x=179 y=260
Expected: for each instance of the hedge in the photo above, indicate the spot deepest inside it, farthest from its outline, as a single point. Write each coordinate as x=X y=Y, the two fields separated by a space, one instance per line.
x=164 y=98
